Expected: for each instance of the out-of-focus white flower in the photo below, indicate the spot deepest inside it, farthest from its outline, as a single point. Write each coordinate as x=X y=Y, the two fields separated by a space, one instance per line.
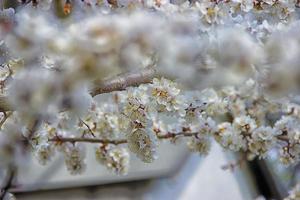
x=30 y=35
x=286 y=124
x=78 y=100
x=6 y=21
x=209 y=12
x=44 y=4
x=44 y=153
x=246 y=5
x=32 y=91
x=236 y=53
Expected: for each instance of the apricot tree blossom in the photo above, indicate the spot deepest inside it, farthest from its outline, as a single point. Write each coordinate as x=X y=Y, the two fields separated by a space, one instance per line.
x=125 y=75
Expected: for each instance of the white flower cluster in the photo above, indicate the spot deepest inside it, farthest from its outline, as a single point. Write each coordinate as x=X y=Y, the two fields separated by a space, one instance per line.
x=166 y=94
x=74 y=159
x=115 y=159
x=142 y=144
x=289 y=126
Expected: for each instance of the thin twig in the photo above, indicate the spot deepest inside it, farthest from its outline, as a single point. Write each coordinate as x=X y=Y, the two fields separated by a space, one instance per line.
x=88 y=127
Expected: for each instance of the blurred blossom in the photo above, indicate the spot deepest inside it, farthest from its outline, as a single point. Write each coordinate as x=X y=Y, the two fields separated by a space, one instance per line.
x=6 y=21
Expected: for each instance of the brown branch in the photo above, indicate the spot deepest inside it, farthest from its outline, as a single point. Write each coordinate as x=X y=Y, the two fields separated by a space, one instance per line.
x=87 y=140
x=283 y=138
x=174 y=135
x=123 y=141
x=59 y=139
x=123 y=81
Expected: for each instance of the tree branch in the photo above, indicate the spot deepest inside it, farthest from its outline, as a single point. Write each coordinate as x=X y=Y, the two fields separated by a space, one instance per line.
x=86 y=140
x=123 y=81
x=115 y=142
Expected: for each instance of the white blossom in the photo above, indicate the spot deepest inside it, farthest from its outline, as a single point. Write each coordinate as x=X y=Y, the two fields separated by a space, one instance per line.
x=74 y=159
x=244 y=124
x=261 y=141
x=167 y=93
x=142 y=144
x=199 y=145
x=44 y=153
x=113 y=158
x=230 y=138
